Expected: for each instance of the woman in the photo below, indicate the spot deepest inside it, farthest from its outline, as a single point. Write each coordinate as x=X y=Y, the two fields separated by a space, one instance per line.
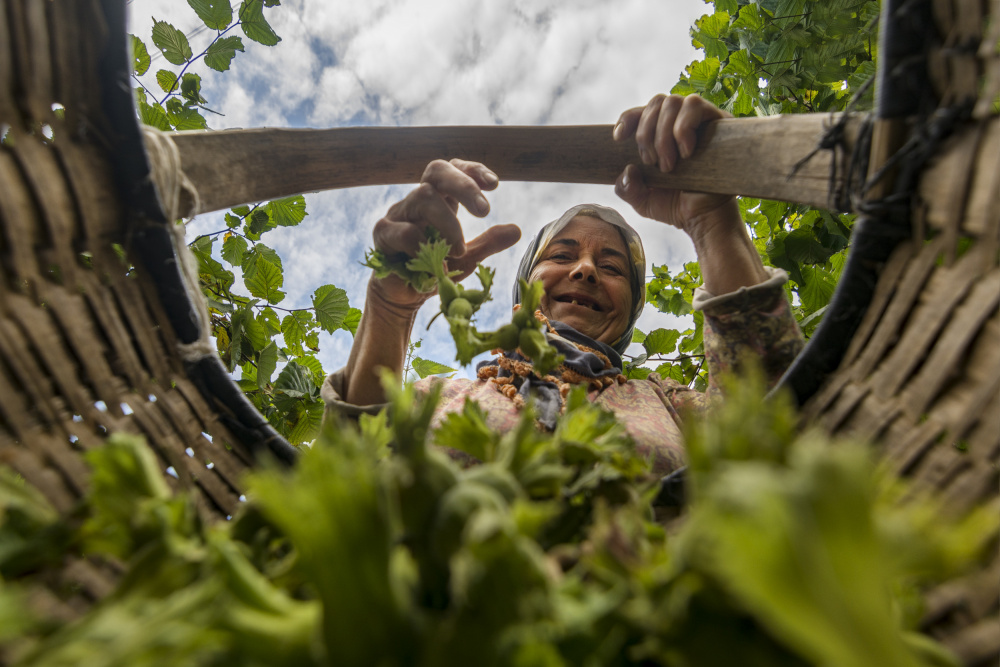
x=592 y=265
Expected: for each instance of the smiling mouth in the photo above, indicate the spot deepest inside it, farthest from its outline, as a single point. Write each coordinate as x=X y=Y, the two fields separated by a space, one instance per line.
x=579 y=301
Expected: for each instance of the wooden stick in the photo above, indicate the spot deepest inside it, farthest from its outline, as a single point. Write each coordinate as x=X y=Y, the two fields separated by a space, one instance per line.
x=747 y=156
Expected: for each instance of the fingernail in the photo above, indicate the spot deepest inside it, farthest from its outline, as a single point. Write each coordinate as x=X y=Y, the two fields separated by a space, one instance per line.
x=618 y=132
x=490 y=177
x=645 y=155
x=625 y=180
x=684 y=149
x=482 y=206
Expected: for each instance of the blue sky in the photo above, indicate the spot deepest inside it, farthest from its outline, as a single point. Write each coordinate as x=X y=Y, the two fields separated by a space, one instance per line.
x=446 y=62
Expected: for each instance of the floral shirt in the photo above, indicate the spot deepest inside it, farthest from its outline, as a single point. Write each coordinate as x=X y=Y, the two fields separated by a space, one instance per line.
x=753 y=322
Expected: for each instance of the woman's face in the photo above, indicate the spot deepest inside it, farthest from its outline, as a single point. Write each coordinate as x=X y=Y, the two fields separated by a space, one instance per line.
x=585 y=270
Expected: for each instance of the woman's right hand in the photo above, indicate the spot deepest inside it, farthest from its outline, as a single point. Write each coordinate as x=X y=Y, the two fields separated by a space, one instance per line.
x=434 y=203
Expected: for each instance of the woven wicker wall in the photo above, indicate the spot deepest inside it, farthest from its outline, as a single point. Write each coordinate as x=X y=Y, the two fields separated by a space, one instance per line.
x=83 y=352
x=922 y=375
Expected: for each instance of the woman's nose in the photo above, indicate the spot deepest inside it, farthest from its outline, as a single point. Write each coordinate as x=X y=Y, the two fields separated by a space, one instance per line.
x=584 y=269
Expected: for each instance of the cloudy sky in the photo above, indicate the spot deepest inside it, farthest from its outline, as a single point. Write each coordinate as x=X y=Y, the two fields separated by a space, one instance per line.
x=438 y=62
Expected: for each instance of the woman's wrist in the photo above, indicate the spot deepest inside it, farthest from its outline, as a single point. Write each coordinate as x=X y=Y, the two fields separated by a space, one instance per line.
x=387 y=305
x=727 y=256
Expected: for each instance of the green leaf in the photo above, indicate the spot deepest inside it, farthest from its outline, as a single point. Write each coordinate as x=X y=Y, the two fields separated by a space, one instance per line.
x=294 y=381
x=254 y=25
x=637 y=335
x=802 y=246
x=242 y=211
x=171 y=42
x=426 y=367
x=266 y=364
x=216 y=14
x=184 y=118
x=351 y=320
x=191 y=88
x=269 y=320
x=818 y=290
x=140 y=56
x=294 y=327
x=260 y=222
x=467 y=432
x=266 y=281
x=310 y=417
x=661 y=341
x=254 y=331
x=331 y=307
x=221 y=52
x=151 y=114
x=703 y=74
x=167 y=80
x=233 y=249
x=232 y=221
x=287 y=212
x=312 y=364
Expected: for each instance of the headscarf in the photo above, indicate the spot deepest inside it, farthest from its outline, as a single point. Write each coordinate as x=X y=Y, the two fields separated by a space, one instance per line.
x=633 y=244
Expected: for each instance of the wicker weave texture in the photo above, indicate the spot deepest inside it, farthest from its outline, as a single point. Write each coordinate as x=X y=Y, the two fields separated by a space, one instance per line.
x=922 y=375
x=84 y=351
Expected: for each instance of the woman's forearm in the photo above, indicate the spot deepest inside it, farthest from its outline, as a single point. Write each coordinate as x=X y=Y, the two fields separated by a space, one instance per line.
x=380 y=342
x=726 y=255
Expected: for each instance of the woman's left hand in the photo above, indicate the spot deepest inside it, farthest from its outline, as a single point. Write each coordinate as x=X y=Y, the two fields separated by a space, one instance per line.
x=666 y=131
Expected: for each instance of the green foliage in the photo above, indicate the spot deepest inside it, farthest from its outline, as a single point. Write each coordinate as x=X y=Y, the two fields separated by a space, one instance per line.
x=427 y=271
x=249 y=334
x=795 y=551
x=763 y=58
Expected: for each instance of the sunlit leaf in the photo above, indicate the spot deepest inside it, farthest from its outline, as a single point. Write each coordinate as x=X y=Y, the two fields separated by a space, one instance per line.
x=216 y=14
x=254 y=25
x=331 y=307
x=661 y=341
x=221 y=52
x=295 y=326
x=425 y=367
x=171 y=42
x=287 y=212
x=233 y=249
x=266 y=281
x=167 y=80
x=351 y=320
x=152 y=114
x=140 y=55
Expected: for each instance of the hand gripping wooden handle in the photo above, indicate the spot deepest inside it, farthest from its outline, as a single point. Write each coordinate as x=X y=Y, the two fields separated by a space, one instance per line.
x=747 y=156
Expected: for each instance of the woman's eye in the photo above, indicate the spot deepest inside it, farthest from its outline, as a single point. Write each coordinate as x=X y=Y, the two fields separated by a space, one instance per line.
x=613 y=269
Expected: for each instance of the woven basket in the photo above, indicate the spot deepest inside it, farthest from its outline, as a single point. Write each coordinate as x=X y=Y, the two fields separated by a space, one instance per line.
x=87 y=347
x=92 y=344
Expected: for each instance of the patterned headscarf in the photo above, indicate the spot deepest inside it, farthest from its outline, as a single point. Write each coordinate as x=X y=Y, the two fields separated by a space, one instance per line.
x=636 y=256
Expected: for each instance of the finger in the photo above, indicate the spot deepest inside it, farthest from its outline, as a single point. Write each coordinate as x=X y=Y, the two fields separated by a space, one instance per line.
x=627 y=124
x=397 y=238
x=632 y=188
x=428 y=207
x=459 y=182
x=665 y=143
x=493 y=240
x=402 y=230
x=694 y=112
x=645 y=133
x=484 y=177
